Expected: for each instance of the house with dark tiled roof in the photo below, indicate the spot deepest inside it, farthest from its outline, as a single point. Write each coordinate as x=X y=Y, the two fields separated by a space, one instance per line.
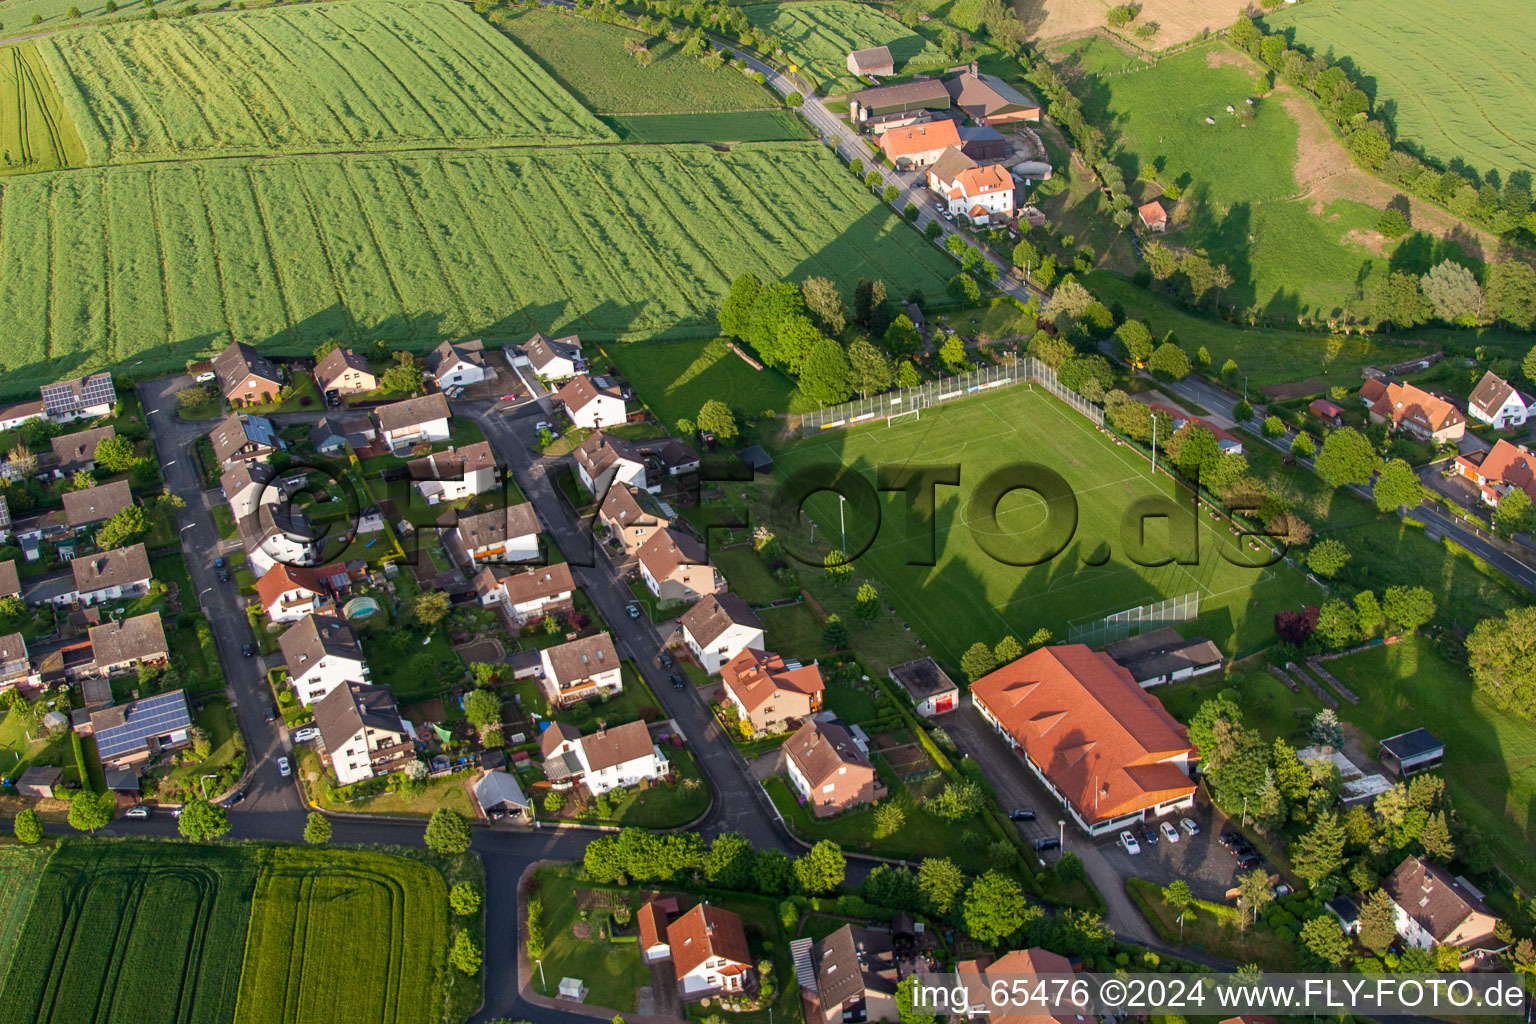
x=1164 y=656
x=245 y=438
x=74 y=453
x=581 y=670
x=109 y=575
x=456 y=364
x=1496 y=402
x=343 y=372
x=1434 y=908
x=856 y=976
x=128 y=735
x=10 y=579
x=84 y=509
x=249 y=485
x=246 y=376
x=361 y=732
x=123 y=645
x=829 y=770
x=719 y=627
x=529 y=594
x=631 y=515
x=423 y=420
x=552 y=358
x=605 y=760
x=987 y=99
x=454 y=473
x=15 y=663
x=277 y=535
x=321 y=652
x=675 y=567
x=508 y=534
x=592 y=404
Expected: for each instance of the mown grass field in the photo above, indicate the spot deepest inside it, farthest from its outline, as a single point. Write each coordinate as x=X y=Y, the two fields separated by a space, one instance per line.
x=676 y=378
x=373 y=74
x=36 y=132
x=346 y=937
x=820 y=33
x=967 y=595
x=1455 y=95
x=589 y=59
x=160 y=264
x=133 y=931
x=729 y=126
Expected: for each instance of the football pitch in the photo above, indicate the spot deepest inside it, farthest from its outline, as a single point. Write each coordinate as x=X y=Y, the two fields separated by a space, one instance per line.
x=967 y=594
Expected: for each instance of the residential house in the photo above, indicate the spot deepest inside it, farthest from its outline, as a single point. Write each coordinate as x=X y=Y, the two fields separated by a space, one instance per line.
x=929 y=686
x=414 y=421
x=1499 y=470
x=631 y=515
x=15 y=414
x=1101 y=744
x=245 y=376
x=456 y=364
x=592 y=404
x=322 y=653
x=508 y=534
x=652 y=919
x=980 y=194
x=1495 y=401
x=619 y=757
x=581 y=670
x=343 y=372
x=874 y=62
x=288 y=593
x=603 y=460
x=978 y=976
x=277 y=535
x=15 y=663
x=122 y=645
x=84 y=509
x=1411 y=752
x=361 y=731
x=829 y=769
x=336 y=430
x=553 y=358
x=896 y=105
x=1426 y=416
x=709 y=951
x=531 y=594
x=918 y=145
x=719 y=627
x=245 y=438
x=248 y=486
x=1153 y=217
x=498 y=795
x=79 y=398
x=1432 y=908
x=769 y=693
x=10 y=579
x=75 y=453
x=1163 y=656
x=675 y=567
x=110 y=575
x=988 y=100
x=129 y=735
x=855 y=976
x=455 y=473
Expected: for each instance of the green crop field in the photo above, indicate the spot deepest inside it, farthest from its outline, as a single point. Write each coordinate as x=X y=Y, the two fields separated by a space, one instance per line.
x=676 y=378
x=372 y=74
x=728 y=126
x=163 y=263
x=819 y=35
x=968 y=596
x=21 y=867
x=589 y=58
x=344 y=937
x=36 y=134
x=1456 y=94
x=133 y=931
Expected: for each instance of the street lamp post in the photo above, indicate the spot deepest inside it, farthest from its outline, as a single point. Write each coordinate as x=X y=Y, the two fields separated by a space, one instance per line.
x=842 y=523
x=1061 y=833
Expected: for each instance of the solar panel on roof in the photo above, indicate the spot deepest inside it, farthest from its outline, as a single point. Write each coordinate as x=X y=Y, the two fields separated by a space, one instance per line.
x=72 y=395
x=153 y=716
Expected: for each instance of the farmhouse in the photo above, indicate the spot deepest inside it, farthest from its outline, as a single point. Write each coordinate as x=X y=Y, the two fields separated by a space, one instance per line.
x=874 y=62
x=531 y=594
x=829 y=769
x=288 y=593
x=720 y=627
x=631 y=515
x=1163 y=656
x=988 y=100
x=244 y=438
x=856 y=976
x=421 y=420
x=929 y=686
x=343 y=372
x=1153 y=217
x=906 y=103
x=75 y=452
x=581 y=670
x=1499 y=470
x=124 y=644
x=97 y=504
x=128 y=735
x=336 y=430
x=768 y=692
x=246 y=376
x=454 y=473
x=508 y=534
x=982 y=195
x=458 y=365
x=592 y=404
x=606 y=760
x=1495 y=401
x=361 y=732
x=110 y=575
x=709 y=951
x=321 y=653
x=675 y=567
x=79 y=398
x=1099 y=742
x=1432 y=908
x=553 y=358
x=1426 y=416
x=919 y=145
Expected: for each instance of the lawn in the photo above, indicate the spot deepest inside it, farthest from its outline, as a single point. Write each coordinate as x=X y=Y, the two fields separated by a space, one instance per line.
x=669 y=805
x=968 y=595
x=306 y=907
x=728 y=126
x=218 y=721
x=24 y=743
x=1425 y=75
x=588 y=58
x=448 y=792
x=611 y=970
x=37 y=133
x=1490 y=755
x=795 y=629
x=1213 y=928
x=370 y=75
x=675 y=378
x=852 y=706
x=748 y=575
x=819 y=35
x=612 y=244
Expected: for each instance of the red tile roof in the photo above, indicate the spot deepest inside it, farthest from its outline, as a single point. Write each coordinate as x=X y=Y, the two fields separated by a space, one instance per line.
x=919 y=138
x=973 y=975
x=1152 y=213
x=653 y=924
x=755 y=676
x=703 y=932
x=1508 y=464
x=1105 y=743
x=1399 y=402
x=982 y=180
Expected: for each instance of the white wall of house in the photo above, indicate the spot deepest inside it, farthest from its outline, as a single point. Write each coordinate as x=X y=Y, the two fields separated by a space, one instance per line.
x=999 y=202
x=293 y=604
x=707 y=977
x=116 y=591
x=1512 y=413
x=737 y=638
x=622 y=470
x=534 y=609
x=559 y=368
x=516 y=549
x=1411 y=931
x=476 y=481
x=459 y=373
x=278 y=548
x=609 y=681
x=652 y=766
x=604 y=410
x=251 y=497
x=325 y=675
x=429 y=432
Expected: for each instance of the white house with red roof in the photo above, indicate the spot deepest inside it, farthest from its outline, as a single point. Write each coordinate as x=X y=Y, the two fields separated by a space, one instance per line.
x=1495 y=401
x=981 y=194
x=592 y=404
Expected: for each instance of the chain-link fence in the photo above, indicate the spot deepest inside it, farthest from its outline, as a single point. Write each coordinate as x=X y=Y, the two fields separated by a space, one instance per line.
x=912 y=401
x=1122 y=624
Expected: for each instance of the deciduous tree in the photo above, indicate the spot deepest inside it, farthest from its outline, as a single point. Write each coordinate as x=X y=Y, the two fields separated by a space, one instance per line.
x=447 y=832
x=1397 y=487
x=820 y=869
x=1501 y=653
x=1408 y=607
x=825 y=303
x=201 y=821
x=717 y=418
x=1453 y=292
x=870 y=370
x=27 y=826
x=977 y=661
x=1169 y=362
x=826 y=378
x=1346 y=458
x=995 y=908
x=736 y=311
x=1328 y=557
x=941 y=882
x=317 y=829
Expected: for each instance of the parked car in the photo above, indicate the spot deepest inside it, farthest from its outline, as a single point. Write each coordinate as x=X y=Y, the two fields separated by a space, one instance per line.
x=678 y=682
x=176 y=811
x=1249 y=861
x=1128 y=841
x=1283 y=890
x=271 y=713
x=632 y=610
x=304 y=735
x=283 y=767
x=510 y=396
x=206 y=376
x=248 y=650
x=234 y=798
x=1229 y=839
x=1021 y=815
x=1149 y=835
x=1169 y=832
x=1048 y=843
x=664 y=659
x=218 y=562
x=1189 y=826
x=136 y=811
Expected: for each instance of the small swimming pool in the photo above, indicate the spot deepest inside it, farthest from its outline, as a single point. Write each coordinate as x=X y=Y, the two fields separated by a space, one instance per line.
x=360 y=608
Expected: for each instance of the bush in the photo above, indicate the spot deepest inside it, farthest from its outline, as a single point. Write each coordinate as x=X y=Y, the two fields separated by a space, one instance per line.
x=464 y=899
x=793 y=99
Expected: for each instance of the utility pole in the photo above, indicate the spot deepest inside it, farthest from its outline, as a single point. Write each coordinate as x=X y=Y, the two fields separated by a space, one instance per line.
x=1245 y=812
x=1154 y=444
x=842 y=523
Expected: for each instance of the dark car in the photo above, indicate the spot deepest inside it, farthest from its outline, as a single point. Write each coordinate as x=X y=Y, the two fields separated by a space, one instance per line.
x=248 y=650
x=223 y=575
x=664 y=659
x=1021 y=815
x=1231 y=839
x=1249 y=861
x=678 y=682
x=271 y=713
x=1048 y=843
x=234 y=798
x=218 y=563
x=1148 y=836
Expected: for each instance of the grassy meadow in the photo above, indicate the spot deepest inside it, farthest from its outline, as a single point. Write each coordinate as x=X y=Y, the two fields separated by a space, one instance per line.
x=676 y=378
x=819 y=34
x=727 y=126
x=1451 y=94
x=36 y=132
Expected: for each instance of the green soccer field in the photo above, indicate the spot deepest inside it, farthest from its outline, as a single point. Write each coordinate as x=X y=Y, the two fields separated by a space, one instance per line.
x=967 y=595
